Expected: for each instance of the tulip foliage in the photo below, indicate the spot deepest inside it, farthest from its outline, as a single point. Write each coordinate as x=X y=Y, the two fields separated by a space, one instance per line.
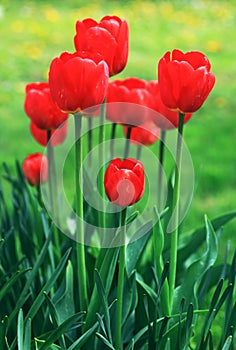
x=103 y=276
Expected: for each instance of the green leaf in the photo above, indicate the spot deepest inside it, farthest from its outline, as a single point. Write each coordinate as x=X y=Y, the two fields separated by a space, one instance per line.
x=130 y=298
x=63 y=328
x=65 y=306
x=55 y=318
x=24 y=294
x=3 y=333
x=227 y=343
x=148 y=290
x=79 y=343
x=189 y=243
x=46 y=288
x=135 y=248
x=27 y=336
x=7 y=286
x=132 y=217
x=105 y=341
x=106 y=271
x=103 y=298
x=142 y=333
x=196 y=270
x=20 y=330
x=101 y=324
x=214 y=308
x=189 y=321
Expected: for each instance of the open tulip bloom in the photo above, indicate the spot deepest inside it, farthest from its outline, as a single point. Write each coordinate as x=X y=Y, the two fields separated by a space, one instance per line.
x=108 y=38
x=185 y=80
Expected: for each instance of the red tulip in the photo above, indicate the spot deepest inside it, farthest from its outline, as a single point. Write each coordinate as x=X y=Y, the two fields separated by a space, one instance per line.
x=132 y=96
x=109 y=38
x=58 y=135
x=145 y=134
x=124 y=181
x=77 y=83
x=40 y=107
x=35 y=169
x=185 y=80
x=163 y=117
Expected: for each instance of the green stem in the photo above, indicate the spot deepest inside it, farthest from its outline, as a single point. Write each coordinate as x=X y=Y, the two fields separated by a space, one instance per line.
x=90 y=140
x=52 y=181
x=127 y=143
x=120 y=287
x=113 y=134
x=139 y=151
x=79 y=214
x=160 y=168
x=102 y=139
x=175 y=207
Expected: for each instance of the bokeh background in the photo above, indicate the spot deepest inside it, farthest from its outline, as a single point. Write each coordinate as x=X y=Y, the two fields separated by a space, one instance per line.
x=34 y=32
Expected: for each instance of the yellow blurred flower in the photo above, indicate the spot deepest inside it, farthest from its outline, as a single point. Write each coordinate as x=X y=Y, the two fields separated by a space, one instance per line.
x=34 y=52
x=51 y=14
x=220 y=102
x=213 y=46
x=17 y=26
x=166 y=9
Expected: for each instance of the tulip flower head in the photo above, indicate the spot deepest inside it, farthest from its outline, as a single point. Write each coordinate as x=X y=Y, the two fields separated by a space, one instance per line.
x=185 y=80
x=40 y=107
x=77 y=83
x=41 y=136
x=126 y=101
x=164 y=117
x=108 y=38
x=145 y=134
x=35 y=169
x=124 y=181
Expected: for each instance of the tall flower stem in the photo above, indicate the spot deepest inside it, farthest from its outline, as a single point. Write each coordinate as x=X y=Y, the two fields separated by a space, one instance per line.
x=90 y=140
x=127 y=143
x=79 y=214
x=139 y=151
x=102 y=139
x=175 y=208
x=160 y=170
x=120 y=287
x=113 y=134
x=52 y=181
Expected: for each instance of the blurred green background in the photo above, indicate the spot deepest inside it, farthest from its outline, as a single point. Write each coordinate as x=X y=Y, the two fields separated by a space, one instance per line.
x=34 y=32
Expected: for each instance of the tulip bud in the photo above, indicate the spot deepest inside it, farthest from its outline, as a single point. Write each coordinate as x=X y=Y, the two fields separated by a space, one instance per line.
x=124 y=181
x=35 y=169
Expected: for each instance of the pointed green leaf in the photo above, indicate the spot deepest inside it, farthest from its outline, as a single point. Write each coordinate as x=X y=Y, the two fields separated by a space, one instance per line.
x=106 y=271
x=7 y=286
x=79 y=343
x=27 y=336
x=103 y=297
x=46 y=288
x=136 y=247
x=23 y=296
x=228 y=343
x=20 y=330
x=65 y=306
x=105 y=341
x=188 y=244
x=196 y=270
x=62 y=329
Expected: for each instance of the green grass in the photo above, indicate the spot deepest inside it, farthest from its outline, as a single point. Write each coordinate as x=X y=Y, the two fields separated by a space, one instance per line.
x=34 y=32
